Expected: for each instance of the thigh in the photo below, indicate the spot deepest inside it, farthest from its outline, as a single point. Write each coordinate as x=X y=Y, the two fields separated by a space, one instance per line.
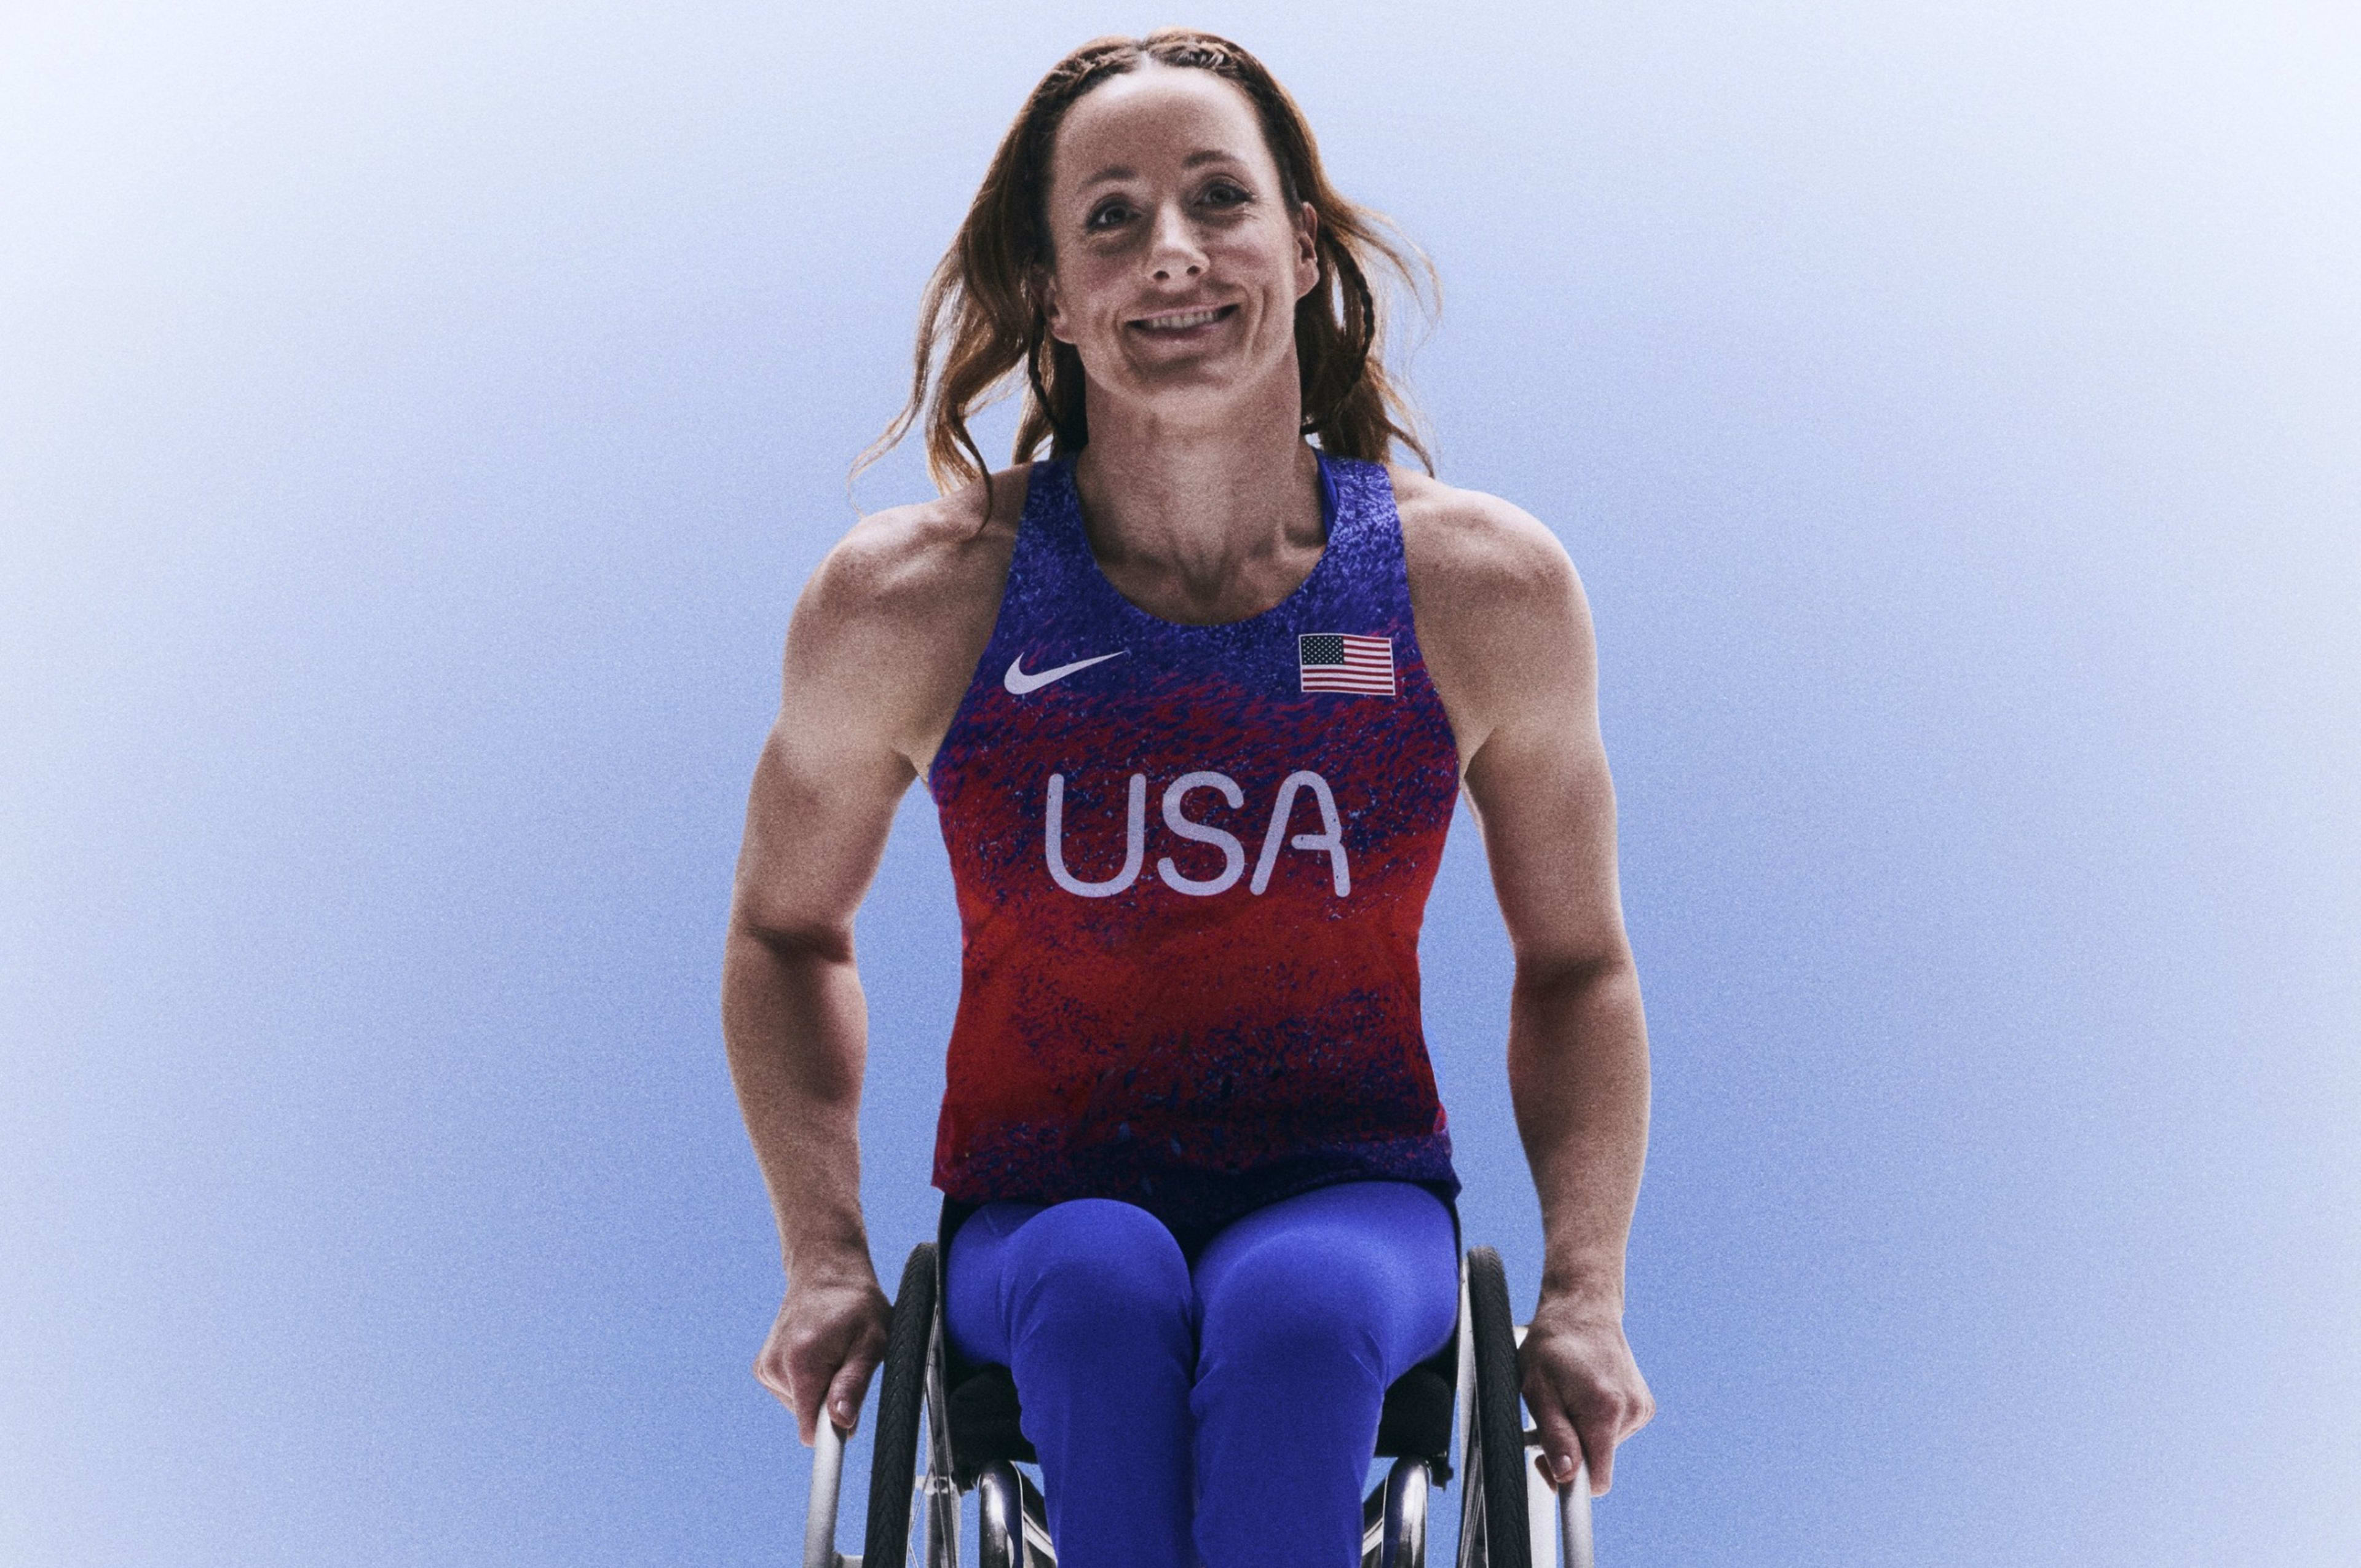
x=973 y=1280
x=1367 y=1268
x=1088 y=1305
x=1309 y=1308
x=1080 y=1271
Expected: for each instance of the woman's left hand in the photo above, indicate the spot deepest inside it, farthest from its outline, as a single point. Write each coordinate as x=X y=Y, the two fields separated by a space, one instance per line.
x=1583 y=1389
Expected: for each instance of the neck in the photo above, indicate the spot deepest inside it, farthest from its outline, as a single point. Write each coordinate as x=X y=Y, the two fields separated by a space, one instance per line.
x=1210 y=520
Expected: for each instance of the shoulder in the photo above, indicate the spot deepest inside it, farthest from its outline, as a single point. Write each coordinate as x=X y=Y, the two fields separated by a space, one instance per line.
x=1500 y=610
x=910 y=566
x=887 y=632
x=1466 y=543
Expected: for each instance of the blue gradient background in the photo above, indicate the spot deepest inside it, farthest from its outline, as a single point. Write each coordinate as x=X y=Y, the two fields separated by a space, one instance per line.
x=415 y=423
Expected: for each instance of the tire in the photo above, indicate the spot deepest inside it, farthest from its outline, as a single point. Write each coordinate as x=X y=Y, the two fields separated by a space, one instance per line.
x=1499 y=1487
x=893 y=1461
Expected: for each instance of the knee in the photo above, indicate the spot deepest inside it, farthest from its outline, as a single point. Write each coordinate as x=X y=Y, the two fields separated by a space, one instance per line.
x=1303 y=1305
x=1093 y=1268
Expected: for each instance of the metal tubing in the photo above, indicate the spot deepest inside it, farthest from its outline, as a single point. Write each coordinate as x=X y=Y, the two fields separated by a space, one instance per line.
x=942 y=1494
x=1574 y=1519
x=1405 y=1537
x=827 y=1480
x=1471 y=1501
x=1000 y=1516
x=1540 y=1506
x=1463 y=1391
x=1040 y=1551
x=1466 y=1444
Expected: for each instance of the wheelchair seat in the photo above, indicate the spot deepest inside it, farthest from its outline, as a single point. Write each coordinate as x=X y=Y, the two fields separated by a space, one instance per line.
x=984 y=1416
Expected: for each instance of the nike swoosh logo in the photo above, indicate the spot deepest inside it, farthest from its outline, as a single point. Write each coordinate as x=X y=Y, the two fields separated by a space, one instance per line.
x=1018 y=682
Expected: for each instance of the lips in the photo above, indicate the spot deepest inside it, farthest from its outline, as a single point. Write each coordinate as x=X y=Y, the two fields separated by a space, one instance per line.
x=1184 y=320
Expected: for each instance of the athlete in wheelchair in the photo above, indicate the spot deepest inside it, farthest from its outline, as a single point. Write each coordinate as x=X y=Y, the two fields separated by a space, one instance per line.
x=1195 y=699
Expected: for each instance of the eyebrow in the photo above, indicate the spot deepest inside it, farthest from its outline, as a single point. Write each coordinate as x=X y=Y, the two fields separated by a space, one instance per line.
x=1125 y=171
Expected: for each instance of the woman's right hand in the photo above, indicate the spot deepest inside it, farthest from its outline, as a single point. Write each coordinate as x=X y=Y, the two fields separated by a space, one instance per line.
x=829 y=1337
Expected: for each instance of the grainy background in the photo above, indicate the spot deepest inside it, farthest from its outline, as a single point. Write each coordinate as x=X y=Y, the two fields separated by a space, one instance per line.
x=416 y=421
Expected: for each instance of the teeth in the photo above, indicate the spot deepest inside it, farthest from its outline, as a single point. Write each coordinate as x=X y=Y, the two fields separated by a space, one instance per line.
x=1181 y=323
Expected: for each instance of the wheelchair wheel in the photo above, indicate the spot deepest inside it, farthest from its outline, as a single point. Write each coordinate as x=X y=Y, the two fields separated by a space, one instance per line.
x=894 y=1461
x=1496 y=1479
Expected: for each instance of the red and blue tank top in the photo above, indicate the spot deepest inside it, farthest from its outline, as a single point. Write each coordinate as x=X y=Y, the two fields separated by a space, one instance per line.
x=1191 y=863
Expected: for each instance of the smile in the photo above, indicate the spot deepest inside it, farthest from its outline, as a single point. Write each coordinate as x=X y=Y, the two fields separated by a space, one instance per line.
x=1184 y=320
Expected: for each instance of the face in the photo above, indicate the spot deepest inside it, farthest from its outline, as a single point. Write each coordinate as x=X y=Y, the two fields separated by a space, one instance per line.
x=1177 y=260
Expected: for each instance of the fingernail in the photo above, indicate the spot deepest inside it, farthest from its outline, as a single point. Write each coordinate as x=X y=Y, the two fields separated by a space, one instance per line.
x=1565 y=1468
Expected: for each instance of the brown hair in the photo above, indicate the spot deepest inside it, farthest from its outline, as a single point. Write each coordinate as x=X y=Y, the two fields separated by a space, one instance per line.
x=981 y=315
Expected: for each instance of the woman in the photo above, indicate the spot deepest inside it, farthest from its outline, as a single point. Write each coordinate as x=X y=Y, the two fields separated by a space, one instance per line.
x=1190 y=1129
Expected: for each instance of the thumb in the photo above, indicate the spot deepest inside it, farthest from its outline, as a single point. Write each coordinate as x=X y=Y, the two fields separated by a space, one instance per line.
x=842 y=1404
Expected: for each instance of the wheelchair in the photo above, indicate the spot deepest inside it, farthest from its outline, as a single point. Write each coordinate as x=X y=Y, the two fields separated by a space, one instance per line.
x=1463 y=1400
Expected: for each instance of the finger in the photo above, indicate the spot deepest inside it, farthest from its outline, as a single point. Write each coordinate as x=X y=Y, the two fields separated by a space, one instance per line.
x=804 y=1385
x=812 y=1369
x=1598 y=1437
x=773 y=1375
x=1560 y=1446
x=846 y=1389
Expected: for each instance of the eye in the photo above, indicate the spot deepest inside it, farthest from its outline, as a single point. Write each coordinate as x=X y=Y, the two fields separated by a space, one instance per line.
x=1105 y=215
x=1227 y=194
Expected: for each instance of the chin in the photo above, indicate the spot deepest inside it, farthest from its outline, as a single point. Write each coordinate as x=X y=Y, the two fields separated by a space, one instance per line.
x=1195 y=387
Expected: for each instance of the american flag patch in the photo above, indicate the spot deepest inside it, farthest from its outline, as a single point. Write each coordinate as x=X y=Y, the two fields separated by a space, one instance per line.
x=1334 y=662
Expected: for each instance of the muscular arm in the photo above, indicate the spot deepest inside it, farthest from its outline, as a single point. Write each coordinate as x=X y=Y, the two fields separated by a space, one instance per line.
x=1507 y=635
x=877 y=653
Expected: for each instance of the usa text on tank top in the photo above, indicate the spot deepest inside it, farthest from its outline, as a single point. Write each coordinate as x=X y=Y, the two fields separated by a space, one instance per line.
x=1191 y=863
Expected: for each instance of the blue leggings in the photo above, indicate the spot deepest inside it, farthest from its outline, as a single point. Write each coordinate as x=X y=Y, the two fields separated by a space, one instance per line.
x=1225 y=1411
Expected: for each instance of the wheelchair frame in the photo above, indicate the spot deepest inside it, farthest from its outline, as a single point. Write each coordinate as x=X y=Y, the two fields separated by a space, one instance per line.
x=1505 y=1522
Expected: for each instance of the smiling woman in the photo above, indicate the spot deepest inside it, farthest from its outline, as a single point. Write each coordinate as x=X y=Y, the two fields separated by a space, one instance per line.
x=1198 y=1182
x=984 y=314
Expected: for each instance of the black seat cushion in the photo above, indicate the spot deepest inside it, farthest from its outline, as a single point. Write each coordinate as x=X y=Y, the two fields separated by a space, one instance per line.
x=985 y=1423
x=1415 y=1421
x=987 y=1420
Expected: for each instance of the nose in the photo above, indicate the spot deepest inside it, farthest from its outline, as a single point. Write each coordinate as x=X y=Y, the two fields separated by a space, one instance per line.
x=1173 y=251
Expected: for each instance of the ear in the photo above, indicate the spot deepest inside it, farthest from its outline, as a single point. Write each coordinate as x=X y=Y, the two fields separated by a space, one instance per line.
x=1307 y=248
x=1053 y=314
